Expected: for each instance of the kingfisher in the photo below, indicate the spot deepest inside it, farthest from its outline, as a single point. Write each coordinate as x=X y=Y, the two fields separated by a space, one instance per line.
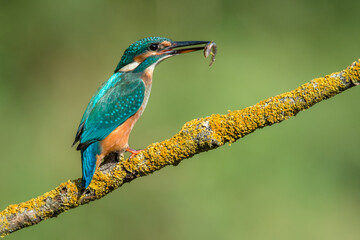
x=119 y=102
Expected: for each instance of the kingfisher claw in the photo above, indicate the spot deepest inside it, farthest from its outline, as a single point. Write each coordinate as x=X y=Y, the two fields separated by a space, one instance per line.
x=133 y=152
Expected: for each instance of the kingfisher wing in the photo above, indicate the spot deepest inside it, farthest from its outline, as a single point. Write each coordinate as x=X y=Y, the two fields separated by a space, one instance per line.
x=115 y=78
x=112 y=109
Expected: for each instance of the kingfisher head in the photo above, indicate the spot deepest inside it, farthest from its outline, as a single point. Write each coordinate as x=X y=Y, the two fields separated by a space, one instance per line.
x=147 y=52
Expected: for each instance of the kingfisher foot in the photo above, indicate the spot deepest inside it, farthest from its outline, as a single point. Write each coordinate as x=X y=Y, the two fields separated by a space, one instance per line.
x=133 y=152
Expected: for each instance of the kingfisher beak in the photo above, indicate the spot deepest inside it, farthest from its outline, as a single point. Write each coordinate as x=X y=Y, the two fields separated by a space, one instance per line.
x=181 y=47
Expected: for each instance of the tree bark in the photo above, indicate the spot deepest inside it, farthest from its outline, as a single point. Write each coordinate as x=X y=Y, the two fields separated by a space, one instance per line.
x=196 y=136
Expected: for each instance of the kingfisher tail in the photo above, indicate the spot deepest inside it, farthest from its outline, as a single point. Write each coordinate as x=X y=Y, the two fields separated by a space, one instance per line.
x=88 y=159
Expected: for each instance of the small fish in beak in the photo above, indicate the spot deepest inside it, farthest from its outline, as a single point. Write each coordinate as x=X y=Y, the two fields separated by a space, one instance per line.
x=210 y=49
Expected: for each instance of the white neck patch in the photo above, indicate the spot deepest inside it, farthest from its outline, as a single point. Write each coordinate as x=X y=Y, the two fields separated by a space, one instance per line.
x=129 y=67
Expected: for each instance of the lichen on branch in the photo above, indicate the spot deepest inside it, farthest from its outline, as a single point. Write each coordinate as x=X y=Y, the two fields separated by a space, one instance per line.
x=196 y=136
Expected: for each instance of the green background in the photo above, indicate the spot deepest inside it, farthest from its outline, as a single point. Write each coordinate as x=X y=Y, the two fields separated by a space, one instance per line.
x=295 y=180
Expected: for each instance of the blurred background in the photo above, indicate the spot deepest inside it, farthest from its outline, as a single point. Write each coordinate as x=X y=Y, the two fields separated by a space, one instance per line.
x=295 y=180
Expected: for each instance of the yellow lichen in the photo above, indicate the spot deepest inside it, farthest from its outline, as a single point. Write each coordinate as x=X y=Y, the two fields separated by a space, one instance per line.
x=353 y=73
x=195 y=136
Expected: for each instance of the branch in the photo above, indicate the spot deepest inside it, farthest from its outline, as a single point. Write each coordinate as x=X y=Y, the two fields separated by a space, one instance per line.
x=196 y=136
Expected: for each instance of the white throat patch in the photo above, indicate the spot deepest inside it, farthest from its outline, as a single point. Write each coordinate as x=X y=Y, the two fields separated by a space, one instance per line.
x=151 y=68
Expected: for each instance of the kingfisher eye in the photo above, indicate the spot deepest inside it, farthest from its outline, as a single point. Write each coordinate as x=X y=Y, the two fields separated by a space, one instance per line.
x=154 y=47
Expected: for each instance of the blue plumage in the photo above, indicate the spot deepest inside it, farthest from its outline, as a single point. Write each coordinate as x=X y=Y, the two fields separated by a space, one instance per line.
x=88 y=161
